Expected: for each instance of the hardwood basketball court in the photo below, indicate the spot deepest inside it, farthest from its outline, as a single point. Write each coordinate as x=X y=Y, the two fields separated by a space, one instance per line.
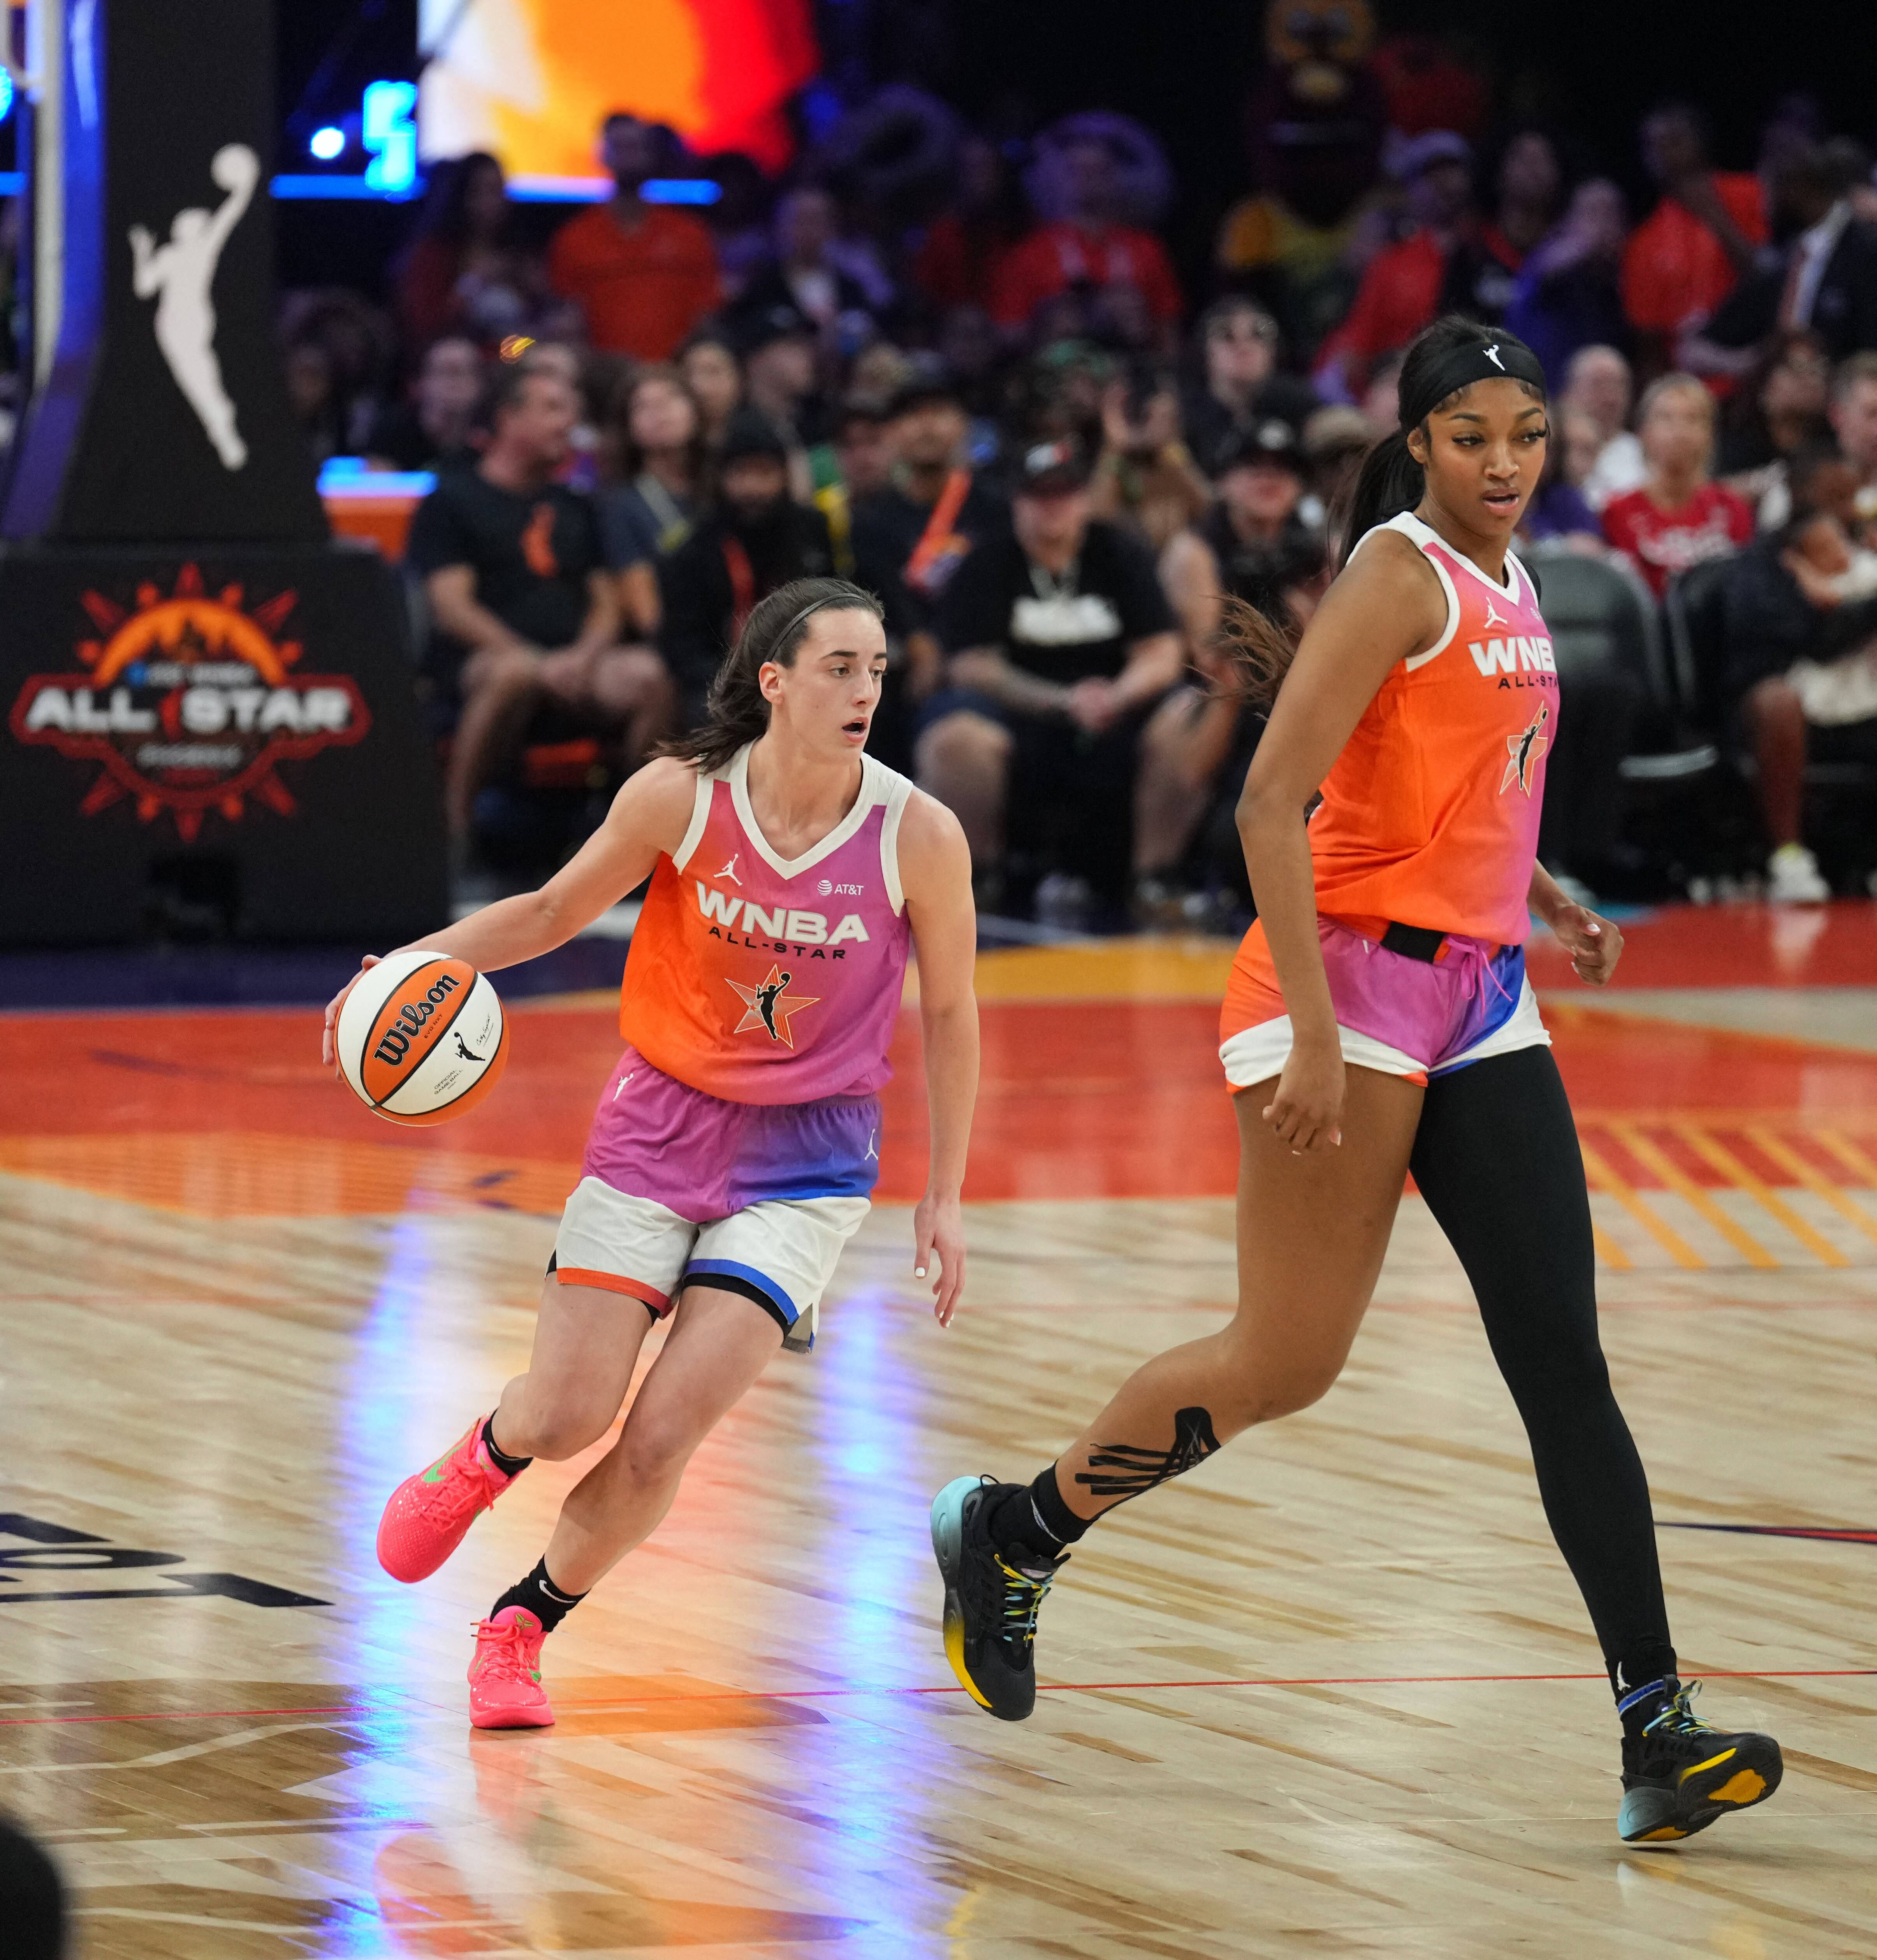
x=1334 y=1694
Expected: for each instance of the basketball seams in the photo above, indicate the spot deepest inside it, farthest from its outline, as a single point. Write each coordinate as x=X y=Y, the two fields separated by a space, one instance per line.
x=376 y=1025
x=435 y=1034
x=467 y=1101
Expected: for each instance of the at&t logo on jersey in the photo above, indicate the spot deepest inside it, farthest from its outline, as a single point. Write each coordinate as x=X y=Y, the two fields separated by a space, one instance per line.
x=784 y=925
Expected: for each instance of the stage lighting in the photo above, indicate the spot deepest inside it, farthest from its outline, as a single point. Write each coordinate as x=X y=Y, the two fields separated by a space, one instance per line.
x=328 y=143
x=6 y=94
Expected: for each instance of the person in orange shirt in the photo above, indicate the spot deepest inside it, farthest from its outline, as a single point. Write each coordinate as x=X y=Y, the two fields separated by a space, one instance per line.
x=1378 y=1020
x=1692 y=250
x=643 y=274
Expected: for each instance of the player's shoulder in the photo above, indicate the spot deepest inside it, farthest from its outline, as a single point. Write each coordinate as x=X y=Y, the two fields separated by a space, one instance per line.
x=931 y=839
x=659 y=798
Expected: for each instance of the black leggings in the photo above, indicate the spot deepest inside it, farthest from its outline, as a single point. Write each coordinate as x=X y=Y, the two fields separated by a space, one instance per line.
x=1496 y=1156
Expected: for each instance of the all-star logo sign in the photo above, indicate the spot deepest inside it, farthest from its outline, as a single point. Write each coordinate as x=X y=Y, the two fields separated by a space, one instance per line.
x=188 y=703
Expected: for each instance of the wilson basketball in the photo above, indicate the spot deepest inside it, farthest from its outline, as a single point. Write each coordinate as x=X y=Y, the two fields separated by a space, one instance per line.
x=422 y=1038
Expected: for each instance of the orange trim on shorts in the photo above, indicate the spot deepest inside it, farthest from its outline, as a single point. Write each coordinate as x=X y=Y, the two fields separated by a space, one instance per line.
x=659 y=1302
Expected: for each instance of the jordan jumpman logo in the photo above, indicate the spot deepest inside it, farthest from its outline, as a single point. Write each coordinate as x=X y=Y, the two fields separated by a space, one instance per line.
x=730 y=869
x=1494 y=617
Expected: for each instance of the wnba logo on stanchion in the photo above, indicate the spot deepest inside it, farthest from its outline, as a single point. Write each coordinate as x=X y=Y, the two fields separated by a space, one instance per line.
x=190 y=703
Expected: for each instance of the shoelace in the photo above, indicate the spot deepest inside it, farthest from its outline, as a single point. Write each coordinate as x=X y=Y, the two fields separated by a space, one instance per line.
x=1679 y=1718
x=1022 y=1596
x=454 y=1493
x=499 y=1651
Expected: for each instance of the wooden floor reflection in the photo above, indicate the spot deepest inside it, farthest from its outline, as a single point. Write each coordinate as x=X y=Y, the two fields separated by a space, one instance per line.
x=1334 y=1694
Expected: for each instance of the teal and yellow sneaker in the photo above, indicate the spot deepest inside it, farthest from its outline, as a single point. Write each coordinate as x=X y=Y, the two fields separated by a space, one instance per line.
x=1679 y=1773
x=990 y=1603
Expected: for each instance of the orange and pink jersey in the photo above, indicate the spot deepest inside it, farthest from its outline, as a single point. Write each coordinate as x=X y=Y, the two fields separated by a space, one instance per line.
x=758 y=979
x=1429 y=818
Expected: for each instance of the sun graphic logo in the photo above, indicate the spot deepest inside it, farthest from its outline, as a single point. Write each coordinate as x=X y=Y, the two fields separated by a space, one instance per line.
x=188 y=703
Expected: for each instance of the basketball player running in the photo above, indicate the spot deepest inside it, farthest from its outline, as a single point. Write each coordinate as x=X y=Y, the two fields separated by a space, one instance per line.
x=734 y=1146
x=1379 y=1020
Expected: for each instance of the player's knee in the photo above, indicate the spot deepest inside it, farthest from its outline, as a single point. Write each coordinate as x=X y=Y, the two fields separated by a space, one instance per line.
x=1271 y=1393
x=566 y=1428
x=963 y=742
x=657 y=1445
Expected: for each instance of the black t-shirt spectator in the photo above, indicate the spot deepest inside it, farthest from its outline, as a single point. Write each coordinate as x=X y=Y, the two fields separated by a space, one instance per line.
x=887 y=528
x=1062 y=630
x=531 y=553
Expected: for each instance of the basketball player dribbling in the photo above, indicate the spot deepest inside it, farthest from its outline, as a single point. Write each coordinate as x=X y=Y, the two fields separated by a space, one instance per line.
x=736 y=1144
x=1379 y=1020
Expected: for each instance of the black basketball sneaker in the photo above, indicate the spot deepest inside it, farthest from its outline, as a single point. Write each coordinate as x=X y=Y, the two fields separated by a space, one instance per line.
x=1679 y=1774
x=990 y=1603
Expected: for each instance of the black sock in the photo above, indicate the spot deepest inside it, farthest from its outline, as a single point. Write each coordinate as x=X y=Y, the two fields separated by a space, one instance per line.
x=1638 y=1707
x=510 y=1466
x=542 y=1597
x=1033 y=1518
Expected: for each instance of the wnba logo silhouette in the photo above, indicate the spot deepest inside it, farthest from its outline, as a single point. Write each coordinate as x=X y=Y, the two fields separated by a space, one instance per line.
x=180 y=276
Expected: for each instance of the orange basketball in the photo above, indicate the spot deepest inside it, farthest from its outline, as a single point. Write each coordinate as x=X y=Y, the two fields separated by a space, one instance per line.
x=421 y=1037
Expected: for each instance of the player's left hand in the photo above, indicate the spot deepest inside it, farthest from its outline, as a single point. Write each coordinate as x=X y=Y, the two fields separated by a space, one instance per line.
x=1594 y=945
x=938 y=1233
x=328 y=1051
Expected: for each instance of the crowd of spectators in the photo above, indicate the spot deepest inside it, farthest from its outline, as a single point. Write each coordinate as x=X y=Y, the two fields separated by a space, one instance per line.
x=984 y=394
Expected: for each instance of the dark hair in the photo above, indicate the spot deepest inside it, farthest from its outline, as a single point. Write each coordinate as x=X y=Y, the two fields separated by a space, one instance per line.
x=628 y=458
x=1389 y=481
x=734 y=710
x=445 y=209
x=503 y=391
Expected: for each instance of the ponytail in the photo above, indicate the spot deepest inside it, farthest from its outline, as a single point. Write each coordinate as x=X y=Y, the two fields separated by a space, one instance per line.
x=1389 y=481
x=735 y=713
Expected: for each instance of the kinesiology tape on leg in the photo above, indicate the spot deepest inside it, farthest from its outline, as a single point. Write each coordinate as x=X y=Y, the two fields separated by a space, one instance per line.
x=1122 y=1470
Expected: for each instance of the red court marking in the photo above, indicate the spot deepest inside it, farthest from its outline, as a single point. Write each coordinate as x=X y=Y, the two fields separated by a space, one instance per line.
x=1043 y=1687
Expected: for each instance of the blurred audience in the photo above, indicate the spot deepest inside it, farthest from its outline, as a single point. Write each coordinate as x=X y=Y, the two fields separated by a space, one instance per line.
x=1061 y=641
x=1597 y=389
x=1239 y=386
x=644 y=276
x=524 y=605
x=467 y=272
x=430 y=428
x=1680 y=516
x=754 y=536
x=1569 y=295
x=1120 y=274
x=1797 y=678
x=1697 y=243
x=950 y=363
x=1145 y=480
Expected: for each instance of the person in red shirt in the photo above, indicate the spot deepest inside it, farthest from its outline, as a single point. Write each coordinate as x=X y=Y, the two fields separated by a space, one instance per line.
x=1689 y=254
x=958 y=262
x=1085 y=249
x=1680 y=516
x=643 y=274
x=1447 y=262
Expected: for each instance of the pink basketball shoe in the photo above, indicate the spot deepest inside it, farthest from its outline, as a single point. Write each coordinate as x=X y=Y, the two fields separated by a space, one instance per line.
x=427 y=1514
x=505 y=1690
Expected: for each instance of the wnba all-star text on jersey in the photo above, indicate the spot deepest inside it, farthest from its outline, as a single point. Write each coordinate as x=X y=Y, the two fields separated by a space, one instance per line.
x=786 y=930
x=1515 y=659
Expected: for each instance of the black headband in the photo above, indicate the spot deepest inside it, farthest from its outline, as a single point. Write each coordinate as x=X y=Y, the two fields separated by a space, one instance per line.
x=1481 y=360
x=847 y=602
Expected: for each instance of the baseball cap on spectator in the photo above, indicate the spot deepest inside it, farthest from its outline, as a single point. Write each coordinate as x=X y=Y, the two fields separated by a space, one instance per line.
x=1271 y=442
x=1052 y=469
x=1405 y=157
x=750 y=432
x=762 y=326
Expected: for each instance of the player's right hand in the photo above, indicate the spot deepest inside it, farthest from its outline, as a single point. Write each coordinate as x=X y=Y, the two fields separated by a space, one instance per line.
x=328 y=1050
x=1307 y=1113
